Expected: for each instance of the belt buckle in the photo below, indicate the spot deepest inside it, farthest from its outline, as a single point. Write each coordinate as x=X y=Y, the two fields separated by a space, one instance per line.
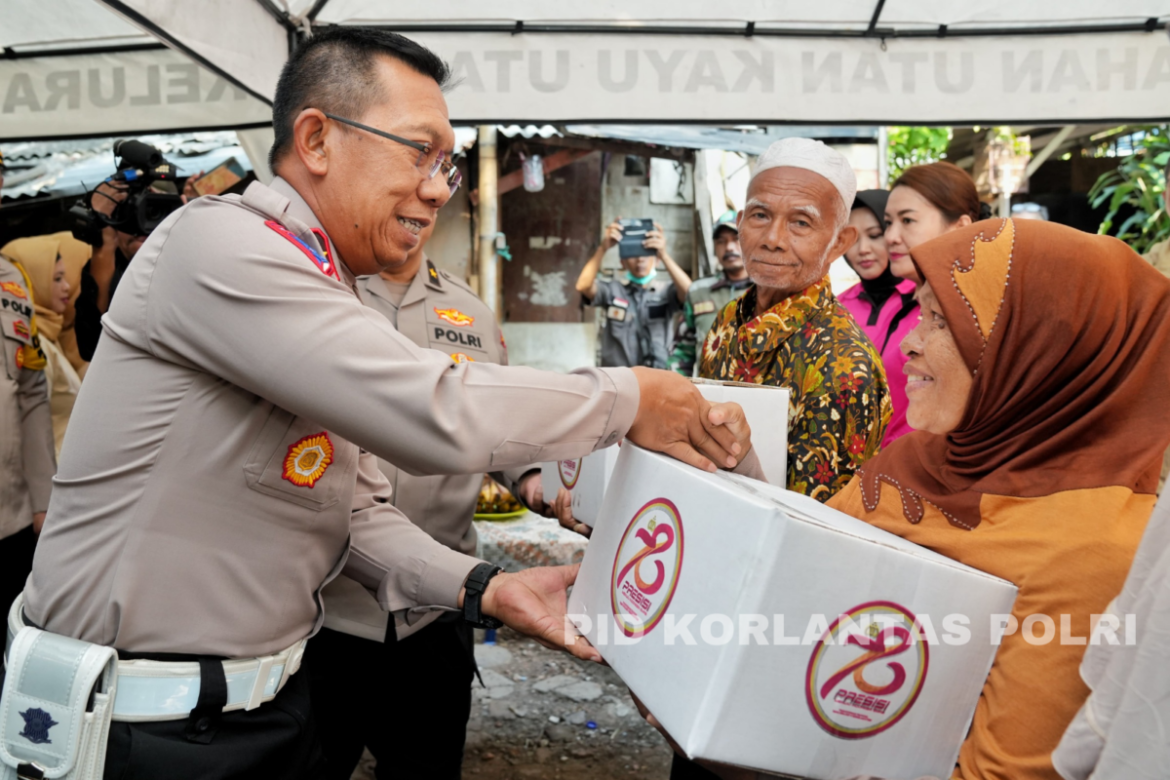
x=30 y=771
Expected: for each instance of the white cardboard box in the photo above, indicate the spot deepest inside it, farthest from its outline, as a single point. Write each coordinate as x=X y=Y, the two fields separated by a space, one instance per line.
x=685 y=565
x=586 y=477
x=766 y=409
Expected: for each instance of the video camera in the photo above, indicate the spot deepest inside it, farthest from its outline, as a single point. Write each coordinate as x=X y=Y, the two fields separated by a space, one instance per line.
x=151 y=195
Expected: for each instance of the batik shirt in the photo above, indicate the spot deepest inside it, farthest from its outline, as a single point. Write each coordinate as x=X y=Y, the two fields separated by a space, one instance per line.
x=839 y=404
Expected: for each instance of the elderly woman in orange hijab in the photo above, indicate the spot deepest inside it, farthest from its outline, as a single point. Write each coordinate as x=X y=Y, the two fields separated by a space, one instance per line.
x=53 y=264
x=1039 y=376
x=1038 y=382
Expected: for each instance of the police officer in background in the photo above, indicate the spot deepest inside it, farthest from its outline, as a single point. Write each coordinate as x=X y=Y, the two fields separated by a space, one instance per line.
x=707 y=296
x=362 y=667
x=639 y=306
x=27 y=460
x=221 y=464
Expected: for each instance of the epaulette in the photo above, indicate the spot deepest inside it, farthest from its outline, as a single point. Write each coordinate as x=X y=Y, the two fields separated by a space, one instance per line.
x=455 y=280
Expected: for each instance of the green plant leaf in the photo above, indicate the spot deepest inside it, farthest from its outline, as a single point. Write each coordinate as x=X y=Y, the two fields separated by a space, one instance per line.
x=1138 y=182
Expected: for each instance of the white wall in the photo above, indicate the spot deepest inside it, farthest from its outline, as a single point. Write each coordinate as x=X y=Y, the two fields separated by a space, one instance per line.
x=450 y=244
x=551 y=346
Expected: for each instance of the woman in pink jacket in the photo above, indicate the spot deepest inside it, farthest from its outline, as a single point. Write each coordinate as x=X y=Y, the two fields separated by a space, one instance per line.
x=882 y=304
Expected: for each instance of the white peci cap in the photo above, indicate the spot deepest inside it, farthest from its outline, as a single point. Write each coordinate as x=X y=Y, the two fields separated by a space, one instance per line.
x=812 y=156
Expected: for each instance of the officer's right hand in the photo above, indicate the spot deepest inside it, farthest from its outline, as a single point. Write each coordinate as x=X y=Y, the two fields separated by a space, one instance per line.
x=674 y=418
x=613 y=234
x=535 y=602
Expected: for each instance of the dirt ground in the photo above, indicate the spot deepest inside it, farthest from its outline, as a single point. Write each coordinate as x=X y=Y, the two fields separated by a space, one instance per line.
x=544 y=714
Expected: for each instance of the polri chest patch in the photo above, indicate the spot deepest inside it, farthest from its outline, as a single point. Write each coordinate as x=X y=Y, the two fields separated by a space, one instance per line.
x=455 y=317
x=307 y=460
x=12 y=288
x=616 y=313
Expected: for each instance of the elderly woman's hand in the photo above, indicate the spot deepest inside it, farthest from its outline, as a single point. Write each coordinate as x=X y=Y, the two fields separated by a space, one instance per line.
x=562 y=509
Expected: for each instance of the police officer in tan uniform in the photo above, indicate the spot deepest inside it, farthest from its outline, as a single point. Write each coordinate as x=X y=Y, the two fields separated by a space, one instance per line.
x=221 y=464
x=27 y=462
x=357 y=663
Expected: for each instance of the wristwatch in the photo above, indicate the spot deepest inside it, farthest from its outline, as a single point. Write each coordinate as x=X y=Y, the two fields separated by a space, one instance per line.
x=476 y=584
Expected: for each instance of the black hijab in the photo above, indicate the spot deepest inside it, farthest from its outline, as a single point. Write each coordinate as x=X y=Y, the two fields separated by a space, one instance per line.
x=877 y=291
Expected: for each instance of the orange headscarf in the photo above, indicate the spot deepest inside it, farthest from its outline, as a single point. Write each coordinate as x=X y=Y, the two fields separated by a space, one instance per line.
x=38 y=256
x=1068 y=337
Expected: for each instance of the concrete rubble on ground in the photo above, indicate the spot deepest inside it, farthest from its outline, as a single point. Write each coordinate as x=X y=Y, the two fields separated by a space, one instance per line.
x=542 y=713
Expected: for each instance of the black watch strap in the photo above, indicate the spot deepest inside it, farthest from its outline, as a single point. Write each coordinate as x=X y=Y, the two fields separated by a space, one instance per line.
x=474 y=587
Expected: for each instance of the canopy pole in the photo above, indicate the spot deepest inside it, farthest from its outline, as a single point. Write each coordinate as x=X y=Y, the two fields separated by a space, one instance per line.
x=487 y=214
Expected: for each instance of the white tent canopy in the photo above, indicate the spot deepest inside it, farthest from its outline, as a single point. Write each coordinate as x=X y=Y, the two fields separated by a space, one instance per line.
x=73 y=68
x=97 y=67
x=855 y=61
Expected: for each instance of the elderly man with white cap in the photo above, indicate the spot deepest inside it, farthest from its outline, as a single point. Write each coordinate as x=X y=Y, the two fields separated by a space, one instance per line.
x=788 y=329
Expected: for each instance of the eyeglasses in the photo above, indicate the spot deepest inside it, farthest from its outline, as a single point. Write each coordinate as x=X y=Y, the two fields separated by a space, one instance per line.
x=451 y=174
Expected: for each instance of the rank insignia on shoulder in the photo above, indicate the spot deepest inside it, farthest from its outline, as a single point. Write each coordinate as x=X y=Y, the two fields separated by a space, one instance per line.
x=307 y=460
x=12 y=288
x=433 y=274
x=37 y=723
x=455 y=317
x=324 y=262
x=704 y=307
x=459 y=357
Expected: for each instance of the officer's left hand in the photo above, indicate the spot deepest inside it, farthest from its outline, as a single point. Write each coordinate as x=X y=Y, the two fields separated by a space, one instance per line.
x=534 y=602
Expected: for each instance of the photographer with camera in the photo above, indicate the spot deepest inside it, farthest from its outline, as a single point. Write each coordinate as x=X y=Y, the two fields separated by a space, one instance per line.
x=639 y=307
x=115 y=219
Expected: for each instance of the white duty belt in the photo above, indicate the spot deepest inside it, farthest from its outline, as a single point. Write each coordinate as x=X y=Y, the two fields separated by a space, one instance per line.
x=163 y=690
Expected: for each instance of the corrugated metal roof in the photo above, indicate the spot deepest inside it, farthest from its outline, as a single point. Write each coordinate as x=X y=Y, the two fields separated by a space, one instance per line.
x=68 y=168
x=748 y=139
x=528 y=131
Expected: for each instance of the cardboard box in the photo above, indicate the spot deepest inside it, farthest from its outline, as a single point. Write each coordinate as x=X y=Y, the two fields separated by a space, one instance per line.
x=765 y=630
x=766 y=410
x=586 y=477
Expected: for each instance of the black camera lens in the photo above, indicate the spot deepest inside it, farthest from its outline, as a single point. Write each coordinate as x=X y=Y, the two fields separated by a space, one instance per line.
x=154 y=207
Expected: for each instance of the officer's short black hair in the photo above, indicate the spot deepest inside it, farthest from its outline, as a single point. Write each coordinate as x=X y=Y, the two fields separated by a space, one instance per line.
x=335 y=72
